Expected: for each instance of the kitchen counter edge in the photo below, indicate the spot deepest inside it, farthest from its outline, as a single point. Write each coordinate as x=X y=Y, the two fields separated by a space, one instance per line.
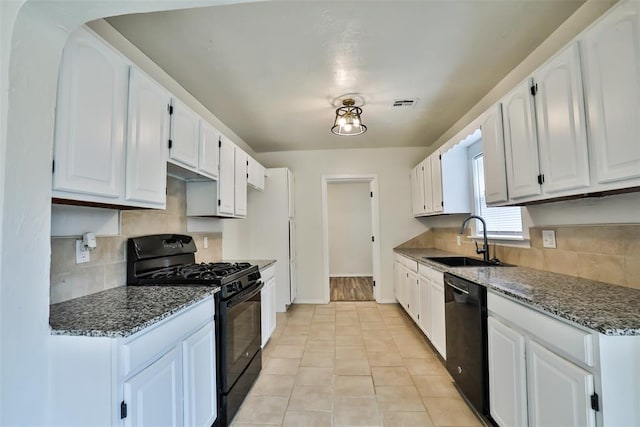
x=602 y=307
x=122 y=311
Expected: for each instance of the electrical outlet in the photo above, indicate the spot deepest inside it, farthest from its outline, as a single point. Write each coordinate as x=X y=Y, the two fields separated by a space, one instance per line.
x=549 y=239
x=458 y=240
x=82 y=253
x=205 y=242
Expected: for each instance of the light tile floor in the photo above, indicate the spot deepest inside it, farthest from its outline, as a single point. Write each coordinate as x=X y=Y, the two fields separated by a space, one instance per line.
x=351 y=364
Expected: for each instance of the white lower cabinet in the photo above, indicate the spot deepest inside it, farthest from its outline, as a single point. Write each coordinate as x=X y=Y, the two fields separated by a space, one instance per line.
x=507 y=374
x=541 y=370
x=438 y=327
x=154 y=395
x=559 y=391
x=268 y=303
x=420 y=291
x=164 y=375
x=199 y=386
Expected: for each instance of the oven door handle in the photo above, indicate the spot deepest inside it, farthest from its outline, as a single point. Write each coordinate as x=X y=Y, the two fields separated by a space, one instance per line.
x=237 y=299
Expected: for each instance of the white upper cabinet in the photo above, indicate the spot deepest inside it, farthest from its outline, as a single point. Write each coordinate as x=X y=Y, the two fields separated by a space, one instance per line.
x=226 y=181
x=417 y=191
x=208 y=162
x=256 y=174
x=241 y=161
x=495 y=175
x=611 y=49
x=439 y=184
x=147 y=139
x=436 y=182
x=521 y=145
x=90 y=121
x=560 y=117
x=427 y=188
x=184 y=141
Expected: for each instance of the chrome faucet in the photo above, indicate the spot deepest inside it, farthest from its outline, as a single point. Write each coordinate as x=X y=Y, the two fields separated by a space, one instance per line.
x=485 y=249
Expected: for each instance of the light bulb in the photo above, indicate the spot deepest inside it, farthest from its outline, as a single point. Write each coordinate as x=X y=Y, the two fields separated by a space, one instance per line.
x=347 y=127
x=342 y=121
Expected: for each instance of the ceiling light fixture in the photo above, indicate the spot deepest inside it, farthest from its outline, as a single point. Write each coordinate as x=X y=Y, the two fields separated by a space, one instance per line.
x=348 y=121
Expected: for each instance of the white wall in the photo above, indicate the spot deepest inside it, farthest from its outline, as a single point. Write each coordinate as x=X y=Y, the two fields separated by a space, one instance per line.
x=349 y=220
x=391 y=165
x=29 y=73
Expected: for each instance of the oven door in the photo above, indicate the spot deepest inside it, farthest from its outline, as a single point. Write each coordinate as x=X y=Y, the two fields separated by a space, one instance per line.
x=241 y=334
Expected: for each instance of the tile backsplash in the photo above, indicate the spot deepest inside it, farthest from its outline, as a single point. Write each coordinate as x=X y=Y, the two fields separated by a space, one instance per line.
x=108 y=266
x=608 y=253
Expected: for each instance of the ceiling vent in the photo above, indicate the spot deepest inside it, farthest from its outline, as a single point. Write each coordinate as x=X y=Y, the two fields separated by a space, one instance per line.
x=404 y=103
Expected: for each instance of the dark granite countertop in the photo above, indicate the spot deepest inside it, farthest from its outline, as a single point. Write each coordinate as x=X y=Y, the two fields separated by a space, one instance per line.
x=122 y=311
x=603 y=307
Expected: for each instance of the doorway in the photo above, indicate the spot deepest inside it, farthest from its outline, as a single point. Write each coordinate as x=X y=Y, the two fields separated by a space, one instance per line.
x=350 y=238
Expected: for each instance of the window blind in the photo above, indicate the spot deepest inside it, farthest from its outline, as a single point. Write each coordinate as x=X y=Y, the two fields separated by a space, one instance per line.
x=501 y=221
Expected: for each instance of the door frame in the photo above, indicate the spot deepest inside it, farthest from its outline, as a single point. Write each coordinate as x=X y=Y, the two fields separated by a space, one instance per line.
x=372 y=179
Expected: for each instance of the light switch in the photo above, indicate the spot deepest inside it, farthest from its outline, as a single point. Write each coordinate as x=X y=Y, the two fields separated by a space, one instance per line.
x=549 y=239
x=205 y=242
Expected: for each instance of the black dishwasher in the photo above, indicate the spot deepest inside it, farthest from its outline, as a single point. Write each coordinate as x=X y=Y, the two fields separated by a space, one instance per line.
x=466 y=326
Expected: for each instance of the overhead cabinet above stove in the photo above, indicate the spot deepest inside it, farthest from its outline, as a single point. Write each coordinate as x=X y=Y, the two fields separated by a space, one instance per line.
x=119 y=133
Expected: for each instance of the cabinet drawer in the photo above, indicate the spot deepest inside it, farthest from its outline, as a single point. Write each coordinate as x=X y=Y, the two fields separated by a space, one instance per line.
x=430 y=273
x=574 y=342
x=145 y=346
x=268 y=273
x=410 y=264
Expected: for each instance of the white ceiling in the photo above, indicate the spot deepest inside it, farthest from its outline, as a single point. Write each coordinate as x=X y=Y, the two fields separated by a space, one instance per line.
x=272 y=71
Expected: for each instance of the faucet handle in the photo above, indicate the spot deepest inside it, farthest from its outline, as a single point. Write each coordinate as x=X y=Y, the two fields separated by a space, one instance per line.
x=480 y=251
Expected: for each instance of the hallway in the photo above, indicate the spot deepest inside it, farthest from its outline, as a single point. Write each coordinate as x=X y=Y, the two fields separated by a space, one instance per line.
x=351 y=288
x=351 y=364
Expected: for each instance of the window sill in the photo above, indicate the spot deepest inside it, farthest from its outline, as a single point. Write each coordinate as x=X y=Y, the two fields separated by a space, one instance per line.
x=505 y=240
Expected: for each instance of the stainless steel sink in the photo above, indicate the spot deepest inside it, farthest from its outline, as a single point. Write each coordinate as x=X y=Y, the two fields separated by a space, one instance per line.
x=463 y=261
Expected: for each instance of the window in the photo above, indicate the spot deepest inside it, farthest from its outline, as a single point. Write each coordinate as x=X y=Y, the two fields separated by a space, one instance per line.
x=502 y=222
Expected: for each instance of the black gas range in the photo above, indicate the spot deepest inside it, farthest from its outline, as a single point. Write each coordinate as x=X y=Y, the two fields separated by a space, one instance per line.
x=169 y=260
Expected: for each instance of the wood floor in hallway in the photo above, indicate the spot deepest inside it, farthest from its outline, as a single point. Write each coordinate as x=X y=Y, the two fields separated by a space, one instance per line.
x=348 y=364
x=351 y=288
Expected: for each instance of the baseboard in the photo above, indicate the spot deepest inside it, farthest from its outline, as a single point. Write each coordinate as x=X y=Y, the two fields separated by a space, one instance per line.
x=351 y=275
x=310 y=301
x=387 y=301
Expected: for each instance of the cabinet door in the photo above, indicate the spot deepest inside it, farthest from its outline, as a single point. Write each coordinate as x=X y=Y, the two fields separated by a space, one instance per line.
x=413 y=296
x=272 y=305
x=562 y=132
x=612 y=83
x=255 y=176
x=507 y=375
x=417 y=191
x=438 y=330
x=90 y=118
x=495 y=174
x=199 y=368
x=185 y=130
x=427 y=185
x=425 y=305
x=436 y=183
x=209 y=149
x=521 y=145
x=265 y=316
x=559 y=391
x=241 y=160
x=154 y=396
x=226 y=180
x=147 y=142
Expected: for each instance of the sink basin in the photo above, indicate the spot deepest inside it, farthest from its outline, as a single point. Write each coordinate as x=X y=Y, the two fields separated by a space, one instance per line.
x=463 y=261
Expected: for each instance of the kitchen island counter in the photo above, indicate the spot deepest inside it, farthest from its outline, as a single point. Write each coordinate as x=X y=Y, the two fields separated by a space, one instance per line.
x=122 y=311
x=602 y=307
